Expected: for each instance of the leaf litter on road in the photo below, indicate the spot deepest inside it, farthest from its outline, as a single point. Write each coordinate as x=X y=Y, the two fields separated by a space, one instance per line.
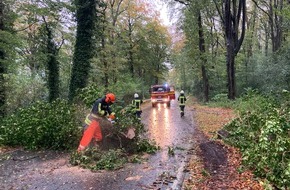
x=203 y=175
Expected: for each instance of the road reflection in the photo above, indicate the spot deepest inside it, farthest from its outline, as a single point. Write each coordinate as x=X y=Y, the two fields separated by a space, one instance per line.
x=160 y=129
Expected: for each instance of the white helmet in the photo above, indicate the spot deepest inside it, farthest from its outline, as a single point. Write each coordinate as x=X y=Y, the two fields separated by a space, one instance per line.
x=181 y=92
x=136 y=95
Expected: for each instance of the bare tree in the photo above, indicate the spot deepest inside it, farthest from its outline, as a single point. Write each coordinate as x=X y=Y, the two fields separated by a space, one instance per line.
x=233 y=16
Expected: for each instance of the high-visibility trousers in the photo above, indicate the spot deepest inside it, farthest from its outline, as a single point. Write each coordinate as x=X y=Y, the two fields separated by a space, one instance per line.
x=93 y=131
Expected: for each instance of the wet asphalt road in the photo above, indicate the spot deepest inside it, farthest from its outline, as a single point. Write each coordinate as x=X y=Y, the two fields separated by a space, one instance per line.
x=161 y=171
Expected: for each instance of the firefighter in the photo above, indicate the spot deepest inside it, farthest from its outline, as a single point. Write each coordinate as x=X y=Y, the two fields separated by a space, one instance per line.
x=181 y=100
x=137 y=106
x=98 y=122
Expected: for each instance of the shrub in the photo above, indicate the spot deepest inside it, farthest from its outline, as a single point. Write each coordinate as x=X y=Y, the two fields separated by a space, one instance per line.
x=262 y=133
x=89 y=94
x=42 y=126
x=221 y=100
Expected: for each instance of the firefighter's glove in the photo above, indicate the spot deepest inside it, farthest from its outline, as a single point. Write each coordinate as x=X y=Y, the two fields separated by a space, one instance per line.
x=112 y=116
x=112 y=121
x=102 y=112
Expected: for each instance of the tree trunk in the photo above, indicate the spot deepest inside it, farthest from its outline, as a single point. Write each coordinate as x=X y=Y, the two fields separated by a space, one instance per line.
x=231 y=70
x=86 y=19
x=53 y=71
x=232 y=17
x=156 y=77
x=130 y=59
x=275 y=20
x=249 y=50
x=52 y=65
x=102 y=55
x=275 y=15
x=204 y=60
x=105 y=62
x=205 y=83
x=2 y=67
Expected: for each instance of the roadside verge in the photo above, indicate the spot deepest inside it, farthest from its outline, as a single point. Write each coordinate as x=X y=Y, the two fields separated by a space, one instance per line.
x=215 y=165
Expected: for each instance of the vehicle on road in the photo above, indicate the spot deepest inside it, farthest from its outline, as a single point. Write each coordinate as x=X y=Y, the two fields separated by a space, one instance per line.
x=162 y=94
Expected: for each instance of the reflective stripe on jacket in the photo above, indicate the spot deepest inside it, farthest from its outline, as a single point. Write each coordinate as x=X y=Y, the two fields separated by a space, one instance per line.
x=137 y=104
x=106 y=125
x=89 y=118
x=181 y=100
x=101 y=107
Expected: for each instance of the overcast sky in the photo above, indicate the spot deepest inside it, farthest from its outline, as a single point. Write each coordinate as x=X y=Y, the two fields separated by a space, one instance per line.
x=162 y=8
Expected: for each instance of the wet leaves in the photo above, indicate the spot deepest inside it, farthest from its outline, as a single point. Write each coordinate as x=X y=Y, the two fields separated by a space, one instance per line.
x=164 y=179
x=210 y=120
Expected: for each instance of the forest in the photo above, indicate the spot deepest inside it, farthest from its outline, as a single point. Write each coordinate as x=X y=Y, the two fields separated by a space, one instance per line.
x=51 y=49
x=58 y=56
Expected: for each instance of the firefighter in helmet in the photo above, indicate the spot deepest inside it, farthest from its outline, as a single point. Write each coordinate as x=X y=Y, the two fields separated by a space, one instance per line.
x=97 y=123
x=181 y=100
x=136 y=102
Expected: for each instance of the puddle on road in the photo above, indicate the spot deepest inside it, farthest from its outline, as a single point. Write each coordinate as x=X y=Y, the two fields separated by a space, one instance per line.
x=166 y=127
x=159 y=126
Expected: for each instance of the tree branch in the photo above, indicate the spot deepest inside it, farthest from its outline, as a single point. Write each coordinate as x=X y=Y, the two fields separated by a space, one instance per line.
x=262 y=9
x=219 y=12
x=186 y=3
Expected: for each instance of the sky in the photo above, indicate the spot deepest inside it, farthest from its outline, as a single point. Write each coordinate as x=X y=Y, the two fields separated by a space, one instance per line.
x=166 y=17
x=170 y=21
x=163 y=9
x=164 y=14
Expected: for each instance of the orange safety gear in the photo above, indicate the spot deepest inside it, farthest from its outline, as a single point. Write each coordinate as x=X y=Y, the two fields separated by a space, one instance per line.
x=112 y=116
x=96 y=125
x=110 y=97
x=93 y=131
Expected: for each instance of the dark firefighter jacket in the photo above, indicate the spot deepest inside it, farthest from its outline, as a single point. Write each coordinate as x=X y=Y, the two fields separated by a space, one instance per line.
x=182 y=100
x=137 y=104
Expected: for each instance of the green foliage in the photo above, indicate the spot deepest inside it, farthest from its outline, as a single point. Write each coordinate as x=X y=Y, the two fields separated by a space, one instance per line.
x=205 y=173
x=125 y=115
x=113 y=159
x=147 y=146
x=123 y=89
x=221 y=100
x=254 y=101
x=7 y=51
x=126 y=86
x=126 y=119
x=262 y=133
x=220 y=97
x=95 y=159
x=89 y=94
x=42 y=126
x=23 y=90
x=86 y=16
x=98 y=159
x=52 y=64
x=269 y=73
